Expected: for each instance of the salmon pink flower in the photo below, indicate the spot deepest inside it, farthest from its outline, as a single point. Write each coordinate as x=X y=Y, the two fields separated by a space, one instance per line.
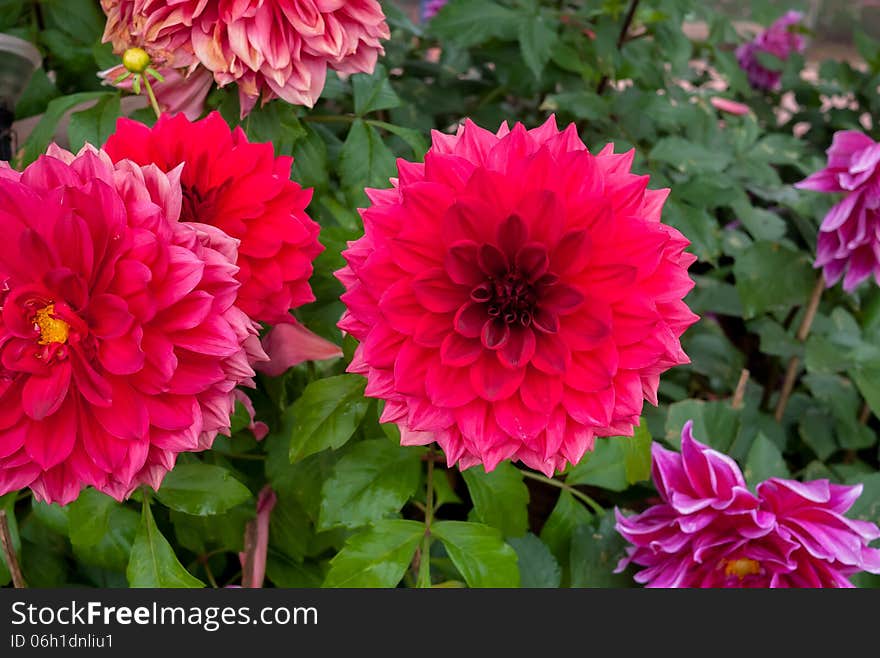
x=780 y=40
x=711 y=531
x=849 y=238
x=120 y=341
x=515 y=296
x=729 y=106
x=269 y=48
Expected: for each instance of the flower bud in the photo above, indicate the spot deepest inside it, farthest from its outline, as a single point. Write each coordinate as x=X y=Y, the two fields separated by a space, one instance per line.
x=136 y=60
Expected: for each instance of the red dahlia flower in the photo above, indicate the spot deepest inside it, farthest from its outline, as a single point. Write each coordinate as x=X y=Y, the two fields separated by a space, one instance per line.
x=242 y=189
x=120 y=344
x=515 y=296
x=270 y=48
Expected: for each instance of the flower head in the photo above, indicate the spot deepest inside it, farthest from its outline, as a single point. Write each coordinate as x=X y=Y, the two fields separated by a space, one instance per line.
x=849 y=238
x=780 y=40
x=120 y=341
x=431 y=7
x=515 y=296
x=711 y=531
x=269 y=48
x=243 y=189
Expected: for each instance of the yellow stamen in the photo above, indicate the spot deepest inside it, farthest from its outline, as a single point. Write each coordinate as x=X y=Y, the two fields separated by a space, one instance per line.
x=52 y=330
x=741 y=568
x=136 y=60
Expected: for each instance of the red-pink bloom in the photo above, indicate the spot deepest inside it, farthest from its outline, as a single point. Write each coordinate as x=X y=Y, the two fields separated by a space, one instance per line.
x=179 y=90
x=729 y=106
x=244 y=190
x=120 y=344
x=849 y=238
x=269 y=48
x=780 y=40
x=711 y=531
x=515 y=296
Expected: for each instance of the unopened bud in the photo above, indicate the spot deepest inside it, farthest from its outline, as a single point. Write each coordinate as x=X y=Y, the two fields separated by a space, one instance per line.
x=136 y=60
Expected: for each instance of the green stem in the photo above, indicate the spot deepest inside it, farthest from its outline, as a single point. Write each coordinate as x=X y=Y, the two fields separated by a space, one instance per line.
x=580 y=495
x=153 y=102
x=425 y=552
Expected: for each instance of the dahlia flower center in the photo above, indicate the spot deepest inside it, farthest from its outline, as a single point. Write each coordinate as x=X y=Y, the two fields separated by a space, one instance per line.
x=741 y=568
x=511 y=298
x=52 y=329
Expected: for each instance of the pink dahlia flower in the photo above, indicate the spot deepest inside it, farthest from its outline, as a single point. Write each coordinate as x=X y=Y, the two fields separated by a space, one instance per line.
x=849 y=238
x=120 y=344
x=780 y=40
x=711 y=531
x=269 y=48
x=431 y=7
x=515 y=296
x=242 y=189
x=179 y=91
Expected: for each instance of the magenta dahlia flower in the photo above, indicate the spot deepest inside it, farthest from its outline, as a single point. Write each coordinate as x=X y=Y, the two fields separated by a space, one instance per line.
x=120 y=341
x=431 y=7
x=849 y=238
x=269 y=48
x=781 y=39
x=515 y=296
x=711 y=531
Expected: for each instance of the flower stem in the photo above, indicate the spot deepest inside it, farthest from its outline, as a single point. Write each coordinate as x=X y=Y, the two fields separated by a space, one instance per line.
x=740 y=393
x=425 y=552
x=580 y=495
x=802 y=333
x=153 y=102
x=9 y=552
x=624 y=29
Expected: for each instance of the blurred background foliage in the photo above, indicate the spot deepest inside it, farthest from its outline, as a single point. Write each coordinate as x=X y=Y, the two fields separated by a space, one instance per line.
x=640 y=74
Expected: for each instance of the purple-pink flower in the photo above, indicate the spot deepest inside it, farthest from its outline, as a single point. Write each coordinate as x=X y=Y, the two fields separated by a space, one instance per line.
x=431 y=7
x=779 y=40
x=711 y=531
x=849 y=238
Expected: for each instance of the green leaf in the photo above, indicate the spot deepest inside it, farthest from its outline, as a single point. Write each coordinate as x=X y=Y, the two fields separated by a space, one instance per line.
x=152 y=562
x=443 y=491
x=700 y=228
x=89 y=517
x=203 y=534
x=284 y=572
x=637 y=454
x=772 y=277
x=365 y=161
x=595 y=552
x=479 y=553
x=52 y=515
x=615 y=462
x=113 y=550
x=769 y=61
x=290 y=528
x=376 y=557
x=467 y=23
x=500 y=498
x=94 y=125
x=413 y=138
x=326 y=415
x=687 y=156
x=310 y=167
x=867 y=506
x=761 y=224
x=201 y=490
x=374 y=479
x=868 y=381
x=44 y=132
x=373 y=92
x=537 y=566
x=536 y=39
x=764 y=461
x=715 y=423
x=567 y=515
